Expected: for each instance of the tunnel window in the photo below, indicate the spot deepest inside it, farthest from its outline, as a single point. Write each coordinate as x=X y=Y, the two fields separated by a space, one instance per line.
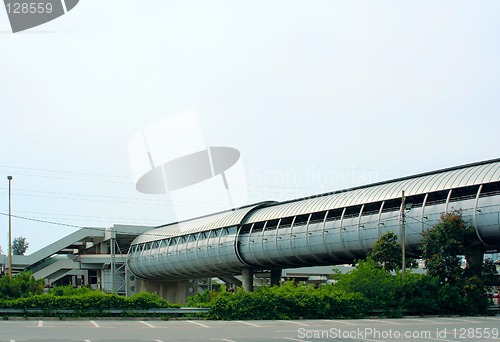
x=464 y=193
x=415 y=200
x=272 y=224
x=258 y=226
x=490 y=189
x=318 y=216
x=286 y=222
x=352 y=211
x=301 y=219
x=392 y=204
x=436 y=197
x=372 y=208
x=246 y=228
x=334 y=214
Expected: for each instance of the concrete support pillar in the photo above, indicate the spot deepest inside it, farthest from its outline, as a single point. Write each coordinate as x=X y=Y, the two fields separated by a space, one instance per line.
x=276 y=276
x=247 y=275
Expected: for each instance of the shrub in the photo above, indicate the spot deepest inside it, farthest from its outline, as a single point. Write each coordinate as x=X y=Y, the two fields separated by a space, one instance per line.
x=21 y=285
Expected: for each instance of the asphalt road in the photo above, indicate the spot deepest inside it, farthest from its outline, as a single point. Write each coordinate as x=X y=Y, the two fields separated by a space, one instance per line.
x=407 y=329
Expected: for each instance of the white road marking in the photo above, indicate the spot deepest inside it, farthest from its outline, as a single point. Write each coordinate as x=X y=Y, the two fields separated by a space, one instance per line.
x=95 y=324
x=380 y=321
x=460 y=320
x=292 y=339
x=40 y=324
x=248 y=323
x=298 y=323
x=201 y=325
x=147 y=324
x=335 y=321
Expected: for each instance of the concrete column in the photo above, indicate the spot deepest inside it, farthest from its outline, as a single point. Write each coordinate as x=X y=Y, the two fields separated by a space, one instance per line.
x=276 y=276
x=247 y=275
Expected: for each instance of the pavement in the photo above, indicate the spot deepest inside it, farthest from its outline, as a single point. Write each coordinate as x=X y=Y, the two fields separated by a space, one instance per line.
x=446 y=329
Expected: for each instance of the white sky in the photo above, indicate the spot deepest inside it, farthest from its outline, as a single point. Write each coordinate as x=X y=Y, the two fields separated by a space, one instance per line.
x=316 y=95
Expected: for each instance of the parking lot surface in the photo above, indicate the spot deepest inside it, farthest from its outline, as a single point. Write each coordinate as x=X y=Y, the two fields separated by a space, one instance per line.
x=408 y=329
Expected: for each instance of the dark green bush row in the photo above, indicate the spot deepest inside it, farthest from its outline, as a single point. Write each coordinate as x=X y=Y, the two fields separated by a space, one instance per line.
x=412 y=293
x=285 y=302
x=366 y=290
x=89 y=304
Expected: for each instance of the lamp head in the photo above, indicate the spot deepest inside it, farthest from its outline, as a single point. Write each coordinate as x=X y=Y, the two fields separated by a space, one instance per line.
x=9 y=177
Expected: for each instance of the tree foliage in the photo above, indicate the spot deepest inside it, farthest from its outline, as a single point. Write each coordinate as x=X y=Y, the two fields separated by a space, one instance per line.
x=21 y=285
x=19 y=246
x=444 y=248
x=387 y=252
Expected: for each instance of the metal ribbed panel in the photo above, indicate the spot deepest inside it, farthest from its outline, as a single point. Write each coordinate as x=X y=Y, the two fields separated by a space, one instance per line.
x=420 y=184
x=491 y=174
x=220 y=220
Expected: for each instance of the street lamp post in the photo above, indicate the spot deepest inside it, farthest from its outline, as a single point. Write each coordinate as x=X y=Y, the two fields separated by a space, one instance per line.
x=10 y=226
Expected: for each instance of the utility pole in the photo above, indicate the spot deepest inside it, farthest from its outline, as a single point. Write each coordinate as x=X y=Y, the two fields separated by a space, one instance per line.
x=403 y=236
x=10 y=226
x=113 y=258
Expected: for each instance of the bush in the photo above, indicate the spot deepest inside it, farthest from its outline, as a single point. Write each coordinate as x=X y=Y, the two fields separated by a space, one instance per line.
x=21 y=285
x=88 y=303
x=381 y=289
x=286 y=302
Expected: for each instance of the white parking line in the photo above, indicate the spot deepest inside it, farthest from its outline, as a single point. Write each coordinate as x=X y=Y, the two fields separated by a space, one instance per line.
x=292 y=339
x=298 y=323
x=251 y=324
x=201 y=325
x=380 y=321
x=336 y=321
x=414 y=319
x=147 y=324
x=95 y=324
x=40 y=324
x=460 y=320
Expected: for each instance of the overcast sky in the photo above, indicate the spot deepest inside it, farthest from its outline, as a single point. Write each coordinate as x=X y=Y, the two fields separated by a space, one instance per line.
x=316 y=95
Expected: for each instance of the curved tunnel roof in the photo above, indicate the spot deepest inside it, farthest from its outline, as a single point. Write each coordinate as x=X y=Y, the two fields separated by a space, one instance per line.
x=445 y=179
x=200 y=224
x=460 y=176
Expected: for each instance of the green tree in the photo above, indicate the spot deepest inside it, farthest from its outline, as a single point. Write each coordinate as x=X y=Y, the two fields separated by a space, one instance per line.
x=21 y=285
x=444 y=248
x=19 y=246
x=387 y=252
